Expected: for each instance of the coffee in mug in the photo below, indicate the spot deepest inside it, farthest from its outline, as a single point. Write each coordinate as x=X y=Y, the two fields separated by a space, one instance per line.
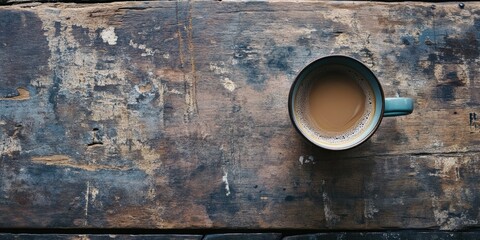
x=337 y=103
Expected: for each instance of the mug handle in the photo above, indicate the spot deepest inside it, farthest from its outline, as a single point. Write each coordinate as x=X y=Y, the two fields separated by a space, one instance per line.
x=398 y=106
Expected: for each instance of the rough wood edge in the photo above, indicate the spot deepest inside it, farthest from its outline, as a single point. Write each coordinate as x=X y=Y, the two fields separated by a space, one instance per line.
x=15 y=2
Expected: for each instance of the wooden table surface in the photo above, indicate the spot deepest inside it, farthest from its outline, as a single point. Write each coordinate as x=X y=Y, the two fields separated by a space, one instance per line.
x=173 y=115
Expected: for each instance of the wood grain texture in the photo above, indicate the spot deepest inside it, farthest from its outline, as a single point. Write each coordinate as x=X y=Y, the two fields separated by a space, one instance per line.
x=241 y=236
x=11 y=2
x=404 y=235
x=399 y=235
x=174 y=115
x=6 y=236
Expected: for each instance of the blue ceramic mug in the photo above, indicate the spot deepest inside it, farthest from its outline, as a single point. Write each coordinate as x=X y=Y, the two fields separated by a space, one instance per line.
x=376 y=105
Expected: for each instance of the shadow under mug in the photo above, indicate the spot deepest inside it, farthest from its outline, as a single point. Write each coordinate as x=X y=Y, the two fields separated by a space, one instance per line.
x=384 y=107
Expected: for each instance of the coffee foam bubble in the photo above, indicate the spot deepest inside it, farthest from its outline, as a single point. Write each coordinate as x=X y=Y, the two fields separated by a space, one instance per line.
x=315 y=134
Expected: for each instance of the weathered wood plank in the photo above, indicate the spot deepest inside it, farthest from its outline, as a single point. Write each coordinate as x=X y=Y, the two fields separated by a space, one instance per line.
x=241 y=236
x=6 y=236
x=407 y=235
x=173 y=115
x=9 y=2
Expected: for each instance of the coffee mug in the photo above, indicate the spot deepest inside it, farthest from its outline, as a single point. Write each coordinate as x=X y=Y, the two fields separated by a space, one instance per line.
x=337 y=103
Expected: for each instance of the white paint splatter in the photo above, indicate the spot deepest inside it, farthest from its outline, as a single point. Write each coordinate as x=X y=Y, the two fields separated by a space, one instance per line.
x=218 y=68
x=369 y=209
x=441 y=217
x=304 y=32
x=174 y=91
x=87 y=198
x=229 y=84
x=93 y=191
x=437 y=143
x=225 y=181
x=330 y=216
x=81 y=237
x=147 y=51
x=444 y=166
x=306 y=159
x=108 y=36
x=9 y=145
x=166 y=55
x=447 y=222
x=447 y=164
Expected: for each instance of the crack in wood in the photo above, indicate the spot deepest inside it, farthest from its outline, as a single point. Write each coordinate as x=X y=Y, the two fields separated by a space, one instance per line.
x=192 y=90
x=66 y=161
x=189 y=77
x=474 y=124
x=179 y=35
x=96 y=139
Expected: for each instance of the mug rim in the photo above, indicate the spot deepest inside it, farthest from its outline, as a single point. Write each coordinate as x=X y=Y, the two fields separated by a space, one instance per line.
x=291 y=107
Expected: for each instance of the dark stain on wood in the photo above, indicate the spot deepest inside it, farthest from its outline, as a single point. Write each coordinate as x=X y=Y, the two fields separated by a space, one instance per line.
x=279 y=58
x=445 y=92
x=465 y=46
x=249 y=59
x=23 y=51
x=80 y=34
